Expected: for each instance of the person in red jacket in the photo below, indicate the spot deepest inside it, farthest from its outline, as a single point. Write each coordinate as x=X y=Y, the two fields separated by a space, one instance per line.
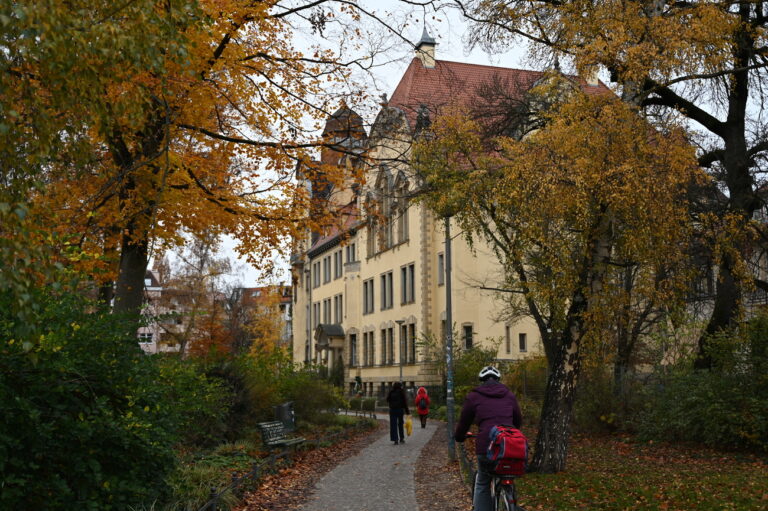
x=422 y=405
x=487 y=405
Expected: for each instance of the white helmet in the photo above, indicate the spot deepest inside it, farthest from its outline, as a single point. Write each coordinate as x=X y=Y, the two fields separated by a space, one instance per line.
x=489 y=372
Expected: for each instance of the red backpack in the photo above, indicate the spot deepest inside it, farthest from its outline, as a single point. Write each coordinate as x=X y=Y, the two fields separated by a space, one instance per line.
x=508 y=451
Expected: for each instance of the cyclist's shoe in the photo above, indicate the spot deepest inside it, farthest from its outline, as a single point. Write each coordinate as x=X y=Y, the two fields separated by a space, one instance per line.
x=395 y=442
x=402 y=441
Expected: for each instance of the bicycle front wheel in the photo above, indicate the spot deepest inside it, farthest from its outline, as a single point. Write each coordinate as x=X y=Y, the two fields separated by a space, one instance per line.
x=505 y=498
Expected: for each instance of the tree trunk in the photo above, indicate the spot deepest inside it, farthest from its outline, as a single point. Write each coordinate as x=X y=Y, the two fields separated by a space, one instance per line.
x=555 y=423
x=129 y=291
x=724 y=314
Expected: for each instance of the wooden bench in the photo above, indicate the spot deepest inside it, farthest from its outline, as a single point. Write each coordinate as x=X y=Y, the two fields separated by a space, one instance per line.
x=273 y=435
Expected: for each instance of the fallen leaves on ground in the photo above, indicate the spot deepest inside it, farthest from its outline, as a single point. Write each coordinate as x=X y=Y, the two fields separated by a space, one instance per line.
x=291 y=486
x=619 y=473
x=438 y=484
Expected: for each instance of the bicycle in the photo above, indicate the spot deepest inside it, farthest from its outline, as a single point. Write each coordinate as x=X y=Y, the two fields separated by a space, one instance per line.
x=503 y=490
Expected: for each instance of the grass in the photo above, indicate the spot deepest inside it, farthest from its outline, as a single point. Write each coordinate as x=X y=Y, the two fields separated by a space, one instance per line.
x=616 y=473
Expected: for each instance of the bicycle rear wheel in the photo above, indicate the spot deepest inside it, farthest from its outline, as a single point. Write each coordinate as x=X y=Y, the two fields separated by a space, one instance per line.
x=505 y=498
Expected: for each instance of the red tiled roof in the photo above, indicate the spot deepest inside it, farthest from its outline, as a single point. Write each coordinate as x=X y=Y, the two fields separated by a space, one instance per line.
x=254 y=295
x=348 y=217
x=456 y=82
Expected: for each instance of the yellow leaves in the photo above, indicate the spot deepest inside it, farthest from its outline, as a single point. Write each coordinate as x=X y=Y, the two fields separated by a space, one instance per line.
x=595 y=171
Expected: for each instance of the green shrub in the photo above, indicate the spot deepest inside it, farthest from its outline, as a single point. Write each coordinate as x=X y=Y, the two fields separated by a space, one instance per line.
x=310 y=393
x=253 y=383
x=201 y=403
x=527 y=377
x=728 y=410
x=86 y=420
x=600 y=409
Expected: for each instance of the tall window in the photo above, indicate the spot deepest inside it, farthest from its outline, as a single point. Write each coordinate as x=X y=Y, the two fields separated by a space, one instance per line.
x=412 y=340
x=368 y=296
x=523 y=342
x=408 y=283
x=327 y=311
x=402 y=217
x=440 y=269
x=365 y=348
x=316 y=274
x=384 y=357
x=403 y=344
x=386 y=290
x=372 y=348
x=338 y=309
x=370 y=240
x=351 y=253
x=315 y=314
x=508 y=339
x=467 y=336
x=353 y=350
x=337 y=264
x=391 y=342
x=326 y=269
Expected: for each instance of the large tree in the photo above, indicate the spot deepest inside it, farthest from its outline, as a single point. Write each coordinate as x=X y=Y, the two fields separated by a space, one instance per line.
x=595 y=189
x=147 y=119
x=701 y=60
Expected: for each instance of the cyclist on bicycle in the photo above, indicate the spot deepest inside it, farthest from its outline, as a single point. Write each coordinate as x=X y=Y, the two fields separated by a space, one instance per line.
x=488 y=405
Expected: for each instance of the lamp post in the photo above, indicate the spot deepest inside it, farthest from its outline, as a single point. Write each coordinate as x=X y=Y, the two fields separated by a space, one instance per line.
x=449 y=342
x=308 y=282
x=400 y=327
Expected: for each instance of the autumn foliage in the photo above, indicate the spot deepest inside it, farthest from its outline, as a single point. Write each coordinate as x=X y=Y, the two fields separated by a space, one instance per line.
x=132 y=124
x=595 y=189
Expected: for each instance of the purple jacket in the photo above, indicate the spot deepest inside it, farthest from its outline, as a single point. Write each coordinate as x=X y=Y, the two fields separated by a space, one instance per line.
x=488 y=405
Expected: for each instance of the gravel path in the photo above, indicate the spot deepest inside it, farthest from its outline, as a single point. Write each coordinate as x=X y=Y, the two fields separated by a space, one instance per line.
x=380 y=477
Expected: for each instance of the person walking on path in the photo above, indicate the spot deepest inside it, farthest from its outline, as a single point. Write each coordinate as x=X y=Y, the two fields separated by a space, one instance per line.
x=488 y=405
x=398 y=408
x=422 y=405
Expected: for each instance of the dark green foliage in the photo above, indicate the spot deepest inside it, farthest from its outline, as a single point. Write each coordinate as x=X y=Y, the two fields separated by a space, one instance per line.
x=311 y=394
x=89 y=421
x=200 y=403
x=723 y=407
x=467 y=365
x=727 y=410
x=599 y=408
x=86 y=420
x=336 y=374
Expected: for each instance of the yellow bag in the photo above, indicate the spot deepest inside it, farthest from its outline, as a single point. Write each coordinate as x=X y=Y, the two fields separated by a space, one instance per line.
x=408 y=425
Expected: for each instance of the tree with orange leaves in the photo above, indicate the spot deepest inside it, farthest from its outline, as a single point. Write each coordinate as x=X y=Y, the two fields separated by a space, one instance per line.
x=167 y=117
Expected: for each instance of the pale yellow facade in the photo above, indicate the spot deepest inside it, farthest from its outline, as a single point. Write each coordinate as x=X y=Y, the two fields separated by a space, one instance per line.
x=388 y=298
x=374 y=292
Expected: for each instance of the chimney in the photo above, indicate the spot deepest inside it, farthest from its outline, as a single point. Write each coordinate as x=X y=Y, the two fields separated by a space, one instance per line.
x=425 y=50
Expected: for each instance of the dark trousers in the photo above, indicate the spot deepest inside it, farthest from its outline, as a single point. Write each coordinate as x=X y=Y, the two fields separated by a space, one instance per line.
x=482 y=500
x=396 y=424
x=423 y=419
